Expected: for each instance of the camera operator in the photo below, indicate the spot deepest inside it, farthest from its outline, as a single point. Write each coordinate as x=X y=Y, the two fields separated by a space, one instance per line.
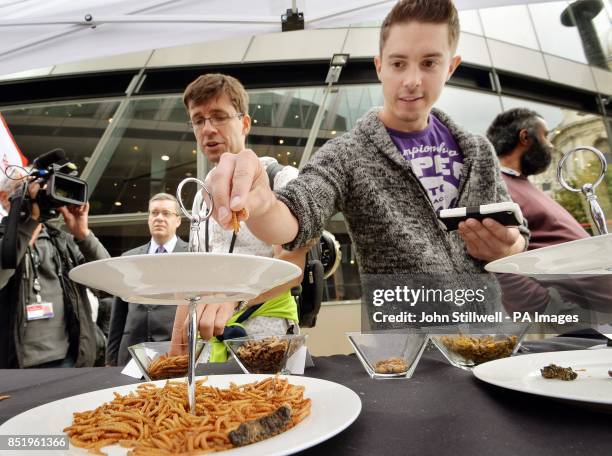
x=45 y=318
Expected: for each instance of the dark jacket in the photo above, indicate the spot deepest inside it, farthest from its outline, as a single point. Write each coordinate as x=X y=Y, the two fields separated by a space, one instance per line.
x=135 y=323
x=13 y=295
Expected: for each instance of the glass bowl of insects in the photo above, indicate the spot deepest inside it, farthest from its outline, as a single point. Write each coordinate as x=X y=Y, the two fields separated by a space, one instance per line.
x=265 y=354
x=469 y=347
x=386 y=354
x=159 y=361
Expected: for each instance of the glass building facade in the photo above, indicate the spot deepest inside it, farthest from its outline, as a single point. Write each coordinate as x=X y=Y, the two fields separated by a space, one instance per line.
x=131 y=144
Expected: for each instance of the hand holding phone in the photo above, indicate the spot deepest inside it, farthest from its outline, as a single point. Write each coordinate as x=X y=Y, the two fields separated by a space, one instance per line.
x=507 y=213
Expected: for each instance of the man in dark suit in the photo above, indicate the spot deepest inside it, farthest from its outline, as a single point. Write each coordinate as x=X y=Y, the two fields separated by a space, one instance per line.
x=135 y=323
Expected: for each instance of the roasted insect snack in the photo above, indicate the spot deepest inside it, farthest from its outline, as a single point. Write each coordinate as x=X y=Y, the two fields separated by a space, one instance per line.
x=391 y=366
x=235 y=223
x=261 y=428
x=167 y=366
x=156 y=421
x=480 y=349
x=562 y=373
x=265 y=356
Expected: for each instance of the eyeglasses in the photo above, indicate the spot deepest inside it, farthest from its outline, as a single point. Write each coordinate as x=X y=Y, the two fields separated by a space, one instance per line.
x=164 y=214
x=218 y=120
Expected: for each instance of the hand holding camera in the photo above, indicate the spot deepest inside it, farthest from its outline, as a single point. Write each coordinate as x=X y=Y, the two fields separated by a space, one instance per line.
x=33 y=189
x=76 y=220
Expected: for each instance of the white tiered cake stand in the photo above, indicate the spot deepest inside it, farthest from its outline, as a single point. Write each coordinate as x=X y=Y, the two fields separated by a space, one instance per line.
x=186 y=278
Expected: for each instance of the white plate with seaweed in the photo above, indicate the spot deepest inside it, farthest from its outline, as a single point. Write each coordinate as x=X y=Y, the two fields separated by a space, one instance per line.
x=522 y=373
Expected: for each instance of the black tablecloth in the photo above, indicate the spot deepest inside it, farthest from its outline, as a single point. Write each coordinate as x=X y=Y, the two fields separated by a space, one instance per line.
x=442 y=410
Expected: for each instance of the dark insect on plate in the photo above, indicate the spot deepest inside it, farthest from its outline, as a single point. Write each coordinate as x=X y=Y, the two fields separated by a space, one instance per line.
x=562 y=373
x=261 y=428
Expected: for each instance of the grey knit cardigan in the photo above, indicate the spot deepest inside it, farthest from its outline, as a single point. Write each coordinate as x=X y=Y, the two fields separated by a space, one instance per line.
x=390 y=218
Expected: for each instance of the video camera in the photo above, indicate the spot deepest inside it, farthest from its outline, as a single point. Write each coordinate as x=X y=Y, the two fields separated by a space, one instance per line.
x=58 y=187
x=58 y=184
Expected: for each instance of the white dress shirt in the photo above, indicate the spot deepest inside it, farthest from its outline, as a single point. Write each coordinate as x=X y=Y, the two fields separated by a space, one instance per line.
x=169 y=246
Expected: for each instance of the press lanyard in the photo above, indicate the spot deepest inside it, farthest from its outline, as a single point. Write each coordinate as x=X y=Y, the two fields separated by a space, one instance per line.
x=37 y=310
x=36 y=282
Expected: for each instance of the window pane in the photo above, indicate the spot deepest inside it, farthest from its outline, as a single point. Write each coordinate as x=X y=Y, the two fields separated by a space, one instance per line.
x=151 y=151
x=281 y=122
x=453 y=102
x=555 y=38
x=75 y=127
x=510 y=24
x=470 y=22
x=346 y=106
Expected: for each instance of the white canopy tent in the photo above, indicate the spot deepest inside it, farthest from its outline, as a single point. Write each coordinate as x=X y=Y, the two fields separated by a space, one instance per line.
x=35 y=34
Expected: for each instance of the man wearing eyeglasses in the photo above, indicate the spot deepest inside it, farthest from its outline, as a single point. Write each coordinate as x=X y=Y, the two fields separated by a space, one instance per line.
x=218 y=108
x=135 y=323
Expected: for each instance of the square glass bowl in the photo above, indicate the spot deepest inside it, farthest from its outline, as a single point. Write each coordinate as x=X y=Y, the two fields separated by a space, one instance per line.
x=265 y=354
x=388 y=354
x=155 y=362
x=467 y=350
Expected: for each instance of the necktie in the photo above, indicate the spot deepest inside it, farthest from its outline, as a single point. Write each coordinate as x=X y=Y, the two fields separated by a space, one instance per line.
x=160 y=249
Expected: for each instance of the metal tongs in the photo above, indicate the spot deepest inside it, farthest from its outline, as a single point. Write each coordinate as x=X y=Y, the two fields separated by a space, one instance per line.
x=195 y=218
x=597 y=214
x=194 y=246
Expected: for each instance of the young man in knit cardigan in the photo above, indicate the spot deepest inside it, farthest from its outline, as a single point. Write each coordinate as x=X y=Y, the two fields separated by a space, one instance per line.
x=392 y=172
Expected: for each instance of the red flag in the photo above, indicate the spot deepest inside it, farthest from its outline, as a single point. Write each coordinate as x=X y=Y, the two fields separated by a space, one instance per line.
x=9 y=150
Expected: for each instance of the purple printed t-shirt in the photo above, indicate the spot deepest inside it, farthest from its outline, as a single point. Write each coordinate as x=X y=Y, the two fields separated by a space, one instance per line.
x=435 y=159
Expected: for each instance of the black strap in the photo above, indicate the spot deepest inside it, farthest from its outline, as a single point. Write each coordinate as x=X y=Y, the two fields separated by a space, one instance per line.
x=206 y=246
x=232 y=242
x=248 y=312
x=232 y=332
x=35 y=259
x=272 y=170
x=8 y=260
